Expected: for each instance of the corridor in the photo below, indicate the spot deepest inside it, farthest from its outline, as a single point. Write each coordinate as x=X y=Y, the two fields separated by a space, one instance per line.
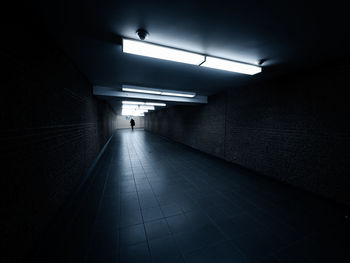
x=150 y=199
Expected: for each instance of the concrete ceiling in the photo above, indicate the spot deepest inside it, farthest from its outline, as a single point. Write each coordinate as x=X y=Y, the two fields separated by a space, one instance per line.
x=289 y=34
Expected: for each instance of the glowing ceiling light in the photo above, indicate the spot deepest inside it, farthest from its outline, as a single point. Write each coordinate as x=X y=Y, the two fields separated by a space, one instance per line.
x=143 y=103
x=158 y=91
x=167 y=53
x=155 y=104
x=133 y=112
x=161 y=52
x=142 y=91
x=228 y=65
x=136 y=107
x=133 y=102
x=179 y=94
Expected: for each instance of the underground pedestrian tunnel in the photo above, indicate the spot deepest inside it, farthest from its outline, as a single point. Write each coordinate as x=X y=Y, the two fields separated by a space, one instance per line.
x=240 y=148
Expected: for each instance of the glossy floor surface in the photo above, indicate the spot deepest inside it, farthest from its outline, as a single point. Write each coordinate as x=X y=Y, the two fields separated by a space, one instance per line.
x=150 y=199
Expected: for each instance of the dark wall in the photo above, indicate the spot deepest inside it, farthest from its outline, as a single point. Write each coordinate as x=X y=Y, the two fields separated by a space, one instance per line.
x=52 y=130
x=294 y=129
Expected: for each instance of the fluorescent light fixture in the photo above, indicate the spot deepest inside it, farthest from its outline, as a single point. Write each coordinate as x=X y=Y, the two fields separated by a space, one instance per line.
x=144 y=103
x=133 y=102
x=126 y=112
x=178 y=94
x=163 y=92
x=137 y=107
x=155 y=51
x=133 y=112
x=142 y=91
x=155 y=104
x=232 y=66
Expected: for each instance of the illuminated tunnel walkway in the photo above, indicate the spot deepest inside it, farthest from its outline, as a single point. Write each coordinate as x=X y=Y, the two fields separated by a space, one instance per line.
x=150 y=199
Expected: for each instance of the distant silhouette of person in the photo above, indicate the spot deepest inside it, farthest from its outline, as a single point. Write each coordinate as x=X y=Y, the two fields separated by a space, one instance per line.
x=132 y=124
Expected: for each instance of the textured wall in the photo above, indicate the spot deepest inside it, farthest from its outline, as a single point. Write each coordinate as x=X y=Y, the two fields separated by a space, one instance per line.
x=52 y=130
x=295 y=129
x=201 y=127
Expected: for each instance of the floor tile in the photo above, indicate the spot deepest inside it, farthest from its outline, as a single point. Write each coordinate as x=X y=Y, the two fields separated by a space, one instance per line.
x=135 y=254
x=178 y=223
x=171 y=210
x=165 y=250
x=192 y=240
x=152 y=213
x=168 y=203
x=157 y=229
x=132 y=235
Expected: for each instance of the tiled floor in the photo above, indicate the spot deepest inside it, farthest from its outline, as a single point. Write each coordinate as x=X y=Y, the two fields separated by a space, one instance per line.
x=153 y=200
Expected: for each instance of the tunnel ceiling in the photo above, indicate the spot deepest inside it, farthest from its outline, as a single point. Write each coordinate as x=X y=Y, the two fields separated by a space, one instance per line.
x=289 y=34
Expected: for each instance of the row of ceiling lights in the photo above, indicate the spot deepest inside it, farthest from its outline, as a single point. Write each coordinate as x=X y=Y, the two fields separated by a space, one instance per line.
x=138 y=108
x=134 y=108
x=162 y=92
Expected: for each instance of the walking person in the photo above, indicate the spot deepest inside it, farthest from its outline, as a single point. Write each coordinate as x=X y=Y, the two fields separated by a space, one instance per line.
x=132 y=124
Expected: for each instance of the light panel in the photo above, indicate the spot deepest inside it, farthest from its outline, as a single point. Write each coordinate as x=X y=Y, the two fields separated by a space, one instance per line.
x=228 y=65
x=178 y=94
x=155 y=51
x=133 y=102
x=133 y=112
x=144 y=103
x=142 y=91
x=156 y=104
x=137 y=107
x=163 y=92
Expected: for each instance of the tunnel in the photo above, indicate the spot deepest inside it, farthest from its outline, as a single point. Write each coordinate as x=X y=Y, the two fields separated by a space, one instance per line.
x=175 y=131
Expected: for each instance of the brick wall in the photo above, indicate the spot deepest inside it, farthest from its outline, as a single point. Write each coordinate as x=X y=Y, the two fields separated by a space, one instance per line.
x=52 y=130
x=294 y=129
